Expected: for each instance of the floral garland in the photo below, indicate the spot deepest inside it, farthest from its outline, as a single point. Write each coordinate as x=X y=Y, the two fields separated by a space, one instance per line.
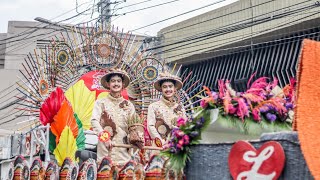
x=262 y=107
x=187 y=134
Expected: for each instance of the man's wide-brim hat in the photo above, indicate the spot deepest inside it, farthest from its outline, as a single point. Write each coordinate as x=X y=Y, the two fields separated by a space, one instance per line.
x=167 y=76
x=122 y=73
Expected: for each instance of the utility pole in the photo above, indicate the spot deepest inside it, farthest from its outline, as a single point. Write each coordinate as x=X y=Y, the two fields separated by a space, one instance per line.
x=105 y=13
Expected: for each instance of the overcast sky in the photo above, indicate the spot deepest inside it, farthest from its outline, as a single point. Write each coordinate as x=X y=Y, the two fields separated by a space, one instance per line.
x=56 y=10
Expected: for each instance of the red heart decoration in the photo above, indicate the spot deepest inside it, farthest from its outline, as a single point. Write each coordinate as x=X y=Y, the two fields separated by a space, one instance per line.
x=245 y=162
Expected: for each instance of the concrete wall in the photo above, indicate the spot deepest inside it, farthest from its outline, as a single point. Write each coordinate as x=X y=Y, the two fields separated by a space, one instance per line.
x=8 y=120
x=2 y=49
x=269 y=16
x=24 y=38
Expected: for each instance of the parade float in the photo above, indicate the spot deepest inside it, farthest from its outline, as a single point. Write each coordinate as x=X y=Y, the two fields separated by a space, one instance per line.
x=57 y=91
x=60 y=84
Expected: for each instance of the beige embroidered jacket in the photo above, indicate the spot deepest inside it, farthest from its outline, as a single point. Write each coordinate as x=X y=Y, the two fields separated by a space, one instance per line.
x=112 y=114
x=162 y=117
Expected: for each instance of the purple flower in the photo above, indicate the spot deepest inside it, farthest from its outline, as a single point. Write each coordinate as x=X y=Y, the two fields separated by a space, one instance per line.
x=289 y=105
x=264 y=109
x=200 y=122
x=175 y=129
x=269 y=96
x=173 y=150
x=271 y=108
x=214 y=95
x=194 y=134
x=271 y=117
x=171 y=144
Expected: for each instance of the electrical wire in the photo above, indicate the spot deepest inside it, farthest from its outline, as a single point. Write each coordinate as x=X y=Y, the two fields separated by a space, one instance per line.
x=135 y=4
x=137 y=10
x=208 y=5
x=210 y=37
x=210 y=32
x=39 y=35
x=208 y=48
x=24 y=32
x=37 y=28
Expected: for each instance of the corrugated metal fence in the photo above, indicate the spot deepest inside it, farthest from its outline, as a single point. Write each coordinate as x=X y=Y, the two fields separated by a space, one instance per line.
x=276 y=58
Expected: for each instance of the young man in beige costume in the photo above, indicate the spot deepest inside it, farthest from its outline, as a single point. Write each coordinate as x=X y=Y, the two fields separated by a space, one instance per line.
x=163 y=114
x=112 y=114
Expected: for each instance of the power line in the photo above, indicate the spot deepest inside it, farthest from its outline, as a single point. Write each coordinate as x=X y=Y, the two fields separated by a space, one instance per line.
x=157 y=5
x=7 y=88
x=163 y=33
x=230 y=28
x=216 y=17
x=235 y=40
x=134 y=4
x=213 y=35
x=12 y=118
x=179 y=15
x=249 y=19
x=241 y=38
x=23 y=45
x=24 y=32
x=37 y=27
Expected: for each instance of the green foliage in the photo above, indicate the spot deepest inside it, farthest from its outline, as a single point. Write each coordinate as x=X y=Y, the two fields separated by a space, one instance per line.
x=250 y=126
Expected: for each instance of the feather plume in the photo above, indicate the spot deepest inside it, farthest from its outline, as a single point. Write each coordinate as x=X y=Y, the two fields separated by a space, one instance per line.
x=226 y=102
x=81 y=137
x=260 y=83
x=250 y=79
x=51 y=106
x=221 y=88
x=252 y=97
x=243 y=109
x=82 y=101
x=66 y=147
x=64 y=117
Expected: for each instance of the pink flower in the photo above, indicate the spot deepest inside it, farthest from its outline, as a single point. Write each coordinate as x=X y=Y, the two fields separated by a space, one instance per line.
x=181 y=142
x=232 y=109
x=181 y=122
x=179 y=133
x=203 y=103
x=186 y=139
x=179 y=146
x=255 y=115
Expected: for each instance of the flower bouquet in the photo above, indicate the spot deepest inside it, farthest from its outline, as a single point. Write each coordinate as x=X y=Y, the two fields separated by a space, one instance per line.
x=187 y=134
x=263 y=107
